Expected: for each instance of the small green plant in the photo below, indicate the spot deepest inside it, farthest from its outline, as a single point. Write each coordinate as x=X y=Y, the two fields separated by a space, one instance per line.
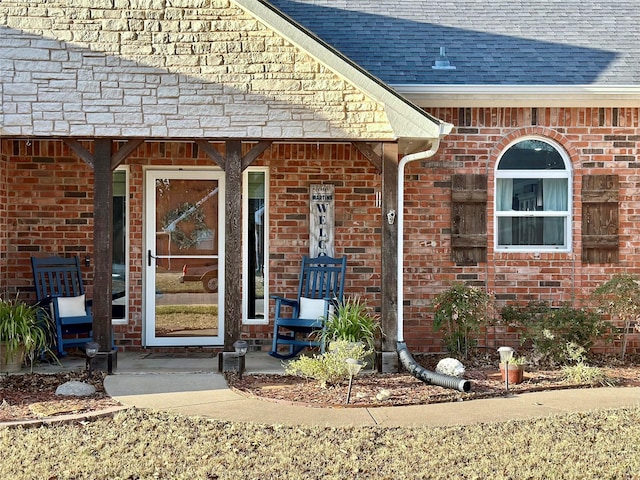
x=620 y=297
x=329 y=368
x=461 y=311
x=581 y=374
x=578 y=372
x=352 y=321
x=548 y=329
x=517 y=361
x=21 y=327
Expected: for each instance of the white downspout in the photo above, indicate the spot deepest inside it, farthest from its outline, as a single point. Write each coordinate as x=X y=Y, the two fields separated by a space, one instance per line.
x=400 y=219
x=413 y=367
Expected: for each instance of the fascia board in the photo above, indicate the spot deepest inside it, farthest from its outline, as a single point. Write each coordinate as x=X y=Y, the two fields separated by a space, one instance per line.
x=406 y=119
x=521 y=95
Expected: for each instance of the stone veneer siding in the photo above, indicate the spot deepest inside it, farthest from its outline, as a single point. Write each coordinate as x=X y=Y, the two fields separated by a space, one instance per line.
x=176 y=68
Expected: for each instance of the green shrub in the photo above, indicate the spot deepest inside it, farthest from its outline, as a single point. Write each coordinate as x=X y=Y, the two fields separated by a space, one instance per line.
x=461 y=311
x=549 y=329
x=620 y=297
x=330 y=368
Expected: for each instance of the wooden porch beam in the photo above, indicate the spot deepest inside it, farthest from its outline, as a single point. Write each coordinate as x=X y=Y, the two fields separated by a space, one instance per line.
x=124 y=151
x=255 y=152
x=103 y=161
x=212 y=153
x=369 y=152
x=233 y=244
x=85 y=155
x=102 y=243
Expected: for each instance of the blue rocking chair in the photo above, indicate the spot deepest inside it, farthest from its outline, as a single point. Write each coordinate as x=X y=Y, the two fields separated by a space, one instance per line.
x=321 y=285
x=59 y=287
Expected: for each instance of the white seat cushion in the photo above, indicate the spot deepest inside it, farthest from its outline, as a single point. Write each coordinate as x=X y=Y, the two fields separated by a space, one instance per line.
x=311 y=308
x=71 y=306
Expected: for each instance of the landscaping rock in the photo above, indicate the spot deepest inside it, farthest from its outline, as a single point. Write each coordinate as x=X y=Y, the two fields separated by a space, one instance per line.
x=76 y=389
x=450 y=366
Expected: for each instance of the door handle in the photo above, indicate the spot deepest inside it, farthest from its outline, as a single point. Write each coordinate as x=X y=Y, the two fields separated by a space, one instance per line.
x=149 y=257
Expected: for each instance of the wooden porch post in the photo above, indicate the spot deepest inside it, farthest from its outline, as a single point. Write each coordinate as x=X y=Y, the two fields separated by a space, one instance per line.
x=102 y=243
x=233 y=243
x=389 y=268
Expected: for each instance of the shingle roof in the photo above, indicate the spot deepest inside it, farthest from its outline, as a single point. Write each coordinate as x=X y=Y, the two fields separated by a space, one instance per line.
x=490 y=42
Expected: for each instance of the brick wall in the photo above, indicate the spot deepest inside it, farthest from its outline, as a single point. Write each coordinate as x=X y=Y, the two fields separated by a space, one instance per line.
x=48 y=208
x=3 y=221
x=49 y=203
x=598 y=141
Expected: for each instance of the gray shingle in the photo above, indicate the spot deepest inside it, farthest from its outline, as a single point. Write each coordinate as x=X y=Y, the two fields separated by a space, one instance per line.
x=507 y=42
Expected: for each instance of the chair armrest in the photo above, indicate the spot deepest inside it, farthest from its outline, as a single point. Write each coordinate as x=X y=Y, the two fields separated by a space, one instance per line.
x=286 y=301
x=44 y=302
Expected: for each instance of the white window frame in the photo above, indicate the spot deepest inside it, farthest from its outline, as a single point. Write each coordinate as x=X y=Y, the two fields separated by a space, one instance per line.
x=535 y=174
x=245 y=253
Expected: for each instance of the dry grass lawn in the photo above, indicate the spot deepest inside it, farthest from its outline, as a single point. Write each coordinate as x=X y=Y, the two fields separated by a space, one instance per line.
x=148 y=445
x=170 y=283
x=171 y=318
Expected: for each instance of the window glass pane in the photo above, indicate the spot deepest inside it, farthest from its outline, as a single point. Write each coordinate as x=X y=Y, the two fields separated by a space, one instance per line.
x=255 y=244
x=540 y=231
x=118 y=273
x=532 y=194
x=531 y=155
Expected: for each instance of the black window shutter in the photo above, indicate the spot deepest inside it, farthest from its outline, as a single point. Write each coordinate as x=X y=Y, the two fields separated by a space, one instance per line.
x=469 y=219
x=600 y=237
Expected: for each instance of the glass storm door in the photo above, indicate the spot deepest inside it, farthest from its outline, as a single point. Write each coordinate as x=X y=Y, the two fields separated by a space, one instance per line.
x=184 y=258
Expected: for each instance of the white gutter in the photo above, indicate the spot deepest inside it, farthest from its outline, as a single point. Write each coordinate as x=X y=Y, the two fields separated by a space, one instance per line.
x=400 y=219
x=516 y=95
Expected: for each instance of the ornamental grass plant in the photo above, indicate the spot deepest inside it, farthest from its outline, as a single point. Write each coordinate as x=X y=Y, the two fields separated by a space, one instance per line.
x=24 y=328
x=351 y=321
x=331 y=367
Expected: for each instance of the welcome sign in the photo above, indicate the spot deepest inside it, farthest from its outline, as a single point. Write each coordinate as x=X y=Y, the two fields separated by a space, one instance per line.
x=322 y=220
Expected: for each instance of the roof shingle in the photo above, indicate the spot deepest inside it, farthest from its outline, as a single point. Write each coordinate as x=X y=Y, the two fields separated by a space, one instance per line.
x=493 y=42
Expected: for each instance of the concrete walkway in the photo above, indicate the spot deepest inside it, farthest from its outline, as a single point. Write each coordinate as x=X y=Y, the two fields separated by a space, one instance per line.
x=192 y=386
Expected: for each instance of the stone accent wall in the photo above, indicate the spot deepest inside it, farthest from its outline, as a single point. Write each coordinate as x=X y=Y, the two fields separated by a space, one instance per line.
x=167 y=68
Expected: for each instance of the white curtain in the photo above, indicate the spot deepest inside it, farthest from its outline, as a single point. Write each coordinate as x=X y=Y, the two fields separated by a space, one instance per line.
x=504 y=202
x=555 y=199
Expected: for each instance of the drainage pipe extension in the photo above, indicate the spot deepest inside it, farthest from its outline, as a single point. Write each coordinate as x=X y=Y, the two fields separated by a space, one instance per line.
x=427 y=376
x=406 y=359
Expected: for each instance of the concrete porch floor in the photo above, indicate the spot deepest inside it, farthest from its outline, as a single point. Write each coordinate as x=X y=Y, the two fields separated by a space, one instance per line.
x=147 y=361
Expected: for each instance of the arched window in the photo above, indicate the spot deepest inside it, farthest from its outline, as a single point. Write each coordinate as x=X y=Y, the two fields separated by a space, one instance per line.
x=533 y=197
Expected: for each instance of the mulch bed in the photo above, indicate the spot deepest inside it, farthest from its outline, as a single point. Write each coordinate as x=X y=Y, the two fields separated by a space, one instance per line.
x=33 y=396
x=398 y=389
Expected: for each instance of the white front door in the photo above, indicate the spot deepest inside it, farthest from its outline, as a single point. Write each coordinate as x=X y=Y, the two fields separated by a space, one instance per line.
x=184 y=278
